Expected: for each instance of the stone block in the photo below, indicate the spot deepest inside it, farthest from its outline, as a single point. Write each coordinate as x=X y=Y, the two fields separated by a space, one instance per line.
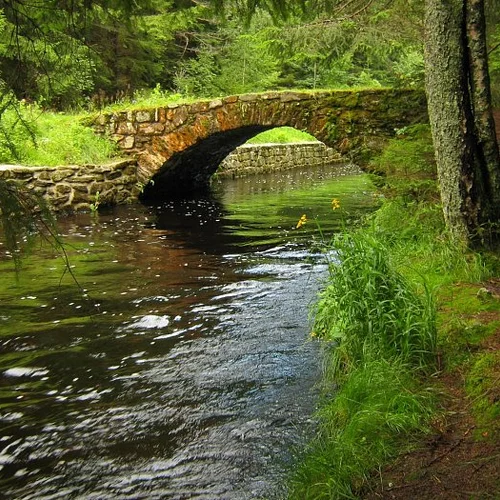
x=117 y=137
x=101 y=187
x=180 y=116
x=81 y=189
x=115 y=174
x=216 y=103
x=248 y=97
x=63 y=189
x=61 y=173
x=293 y=96
x=128 y=180
x=42 y=183
x=160 y=115
x=127 y=142
x=151 y=128
x=44 y=175
x=199 y=107
x=270 y=96
x=84 y=177
x=142 y=116
x=125 y=128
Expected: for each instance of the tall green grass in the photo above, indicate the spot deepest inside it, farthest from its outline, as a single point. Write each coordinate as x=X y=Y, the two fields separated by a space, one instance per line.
x=32 y=136
x=381 y=340
x=367 y=423
x=371 y=311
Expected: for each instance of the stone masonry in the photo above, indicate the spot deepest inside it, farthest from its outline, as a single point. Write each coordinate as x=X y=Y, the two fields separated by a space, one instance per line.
x=77 y=187
x=179 y=146
x=259 y=158
x=174 y=150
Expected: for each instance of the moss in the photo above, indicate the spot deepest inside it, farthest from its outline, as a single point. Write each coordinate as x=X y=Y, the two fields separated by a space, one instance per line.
x=351 y=100
x=483 y=389
x=407 y=164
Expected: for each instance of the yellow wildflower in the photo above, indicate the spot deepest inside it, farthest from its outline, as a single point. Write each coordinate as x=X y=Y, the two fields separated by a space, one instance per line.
x=302 y=221
x=335 y=204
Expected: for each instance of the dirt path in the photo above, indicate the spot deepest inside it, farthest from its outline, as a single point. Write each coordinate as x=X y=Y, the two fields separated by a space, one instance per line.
x=452 y=464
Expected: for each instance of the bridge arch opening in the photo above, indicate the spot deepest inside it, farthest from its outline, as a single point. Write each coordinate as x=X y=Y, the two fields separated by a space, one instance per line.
x=189 y=171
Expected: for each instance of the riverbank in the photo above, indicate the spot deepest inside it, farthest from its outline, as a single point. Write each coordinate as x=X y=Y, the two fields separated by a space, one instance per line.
x=434 y=421
x=460 y=456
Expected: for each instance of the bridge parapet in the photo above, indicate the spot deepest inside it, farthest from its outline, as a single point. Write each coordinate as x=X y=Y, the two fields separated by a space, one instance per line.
x=181 y=145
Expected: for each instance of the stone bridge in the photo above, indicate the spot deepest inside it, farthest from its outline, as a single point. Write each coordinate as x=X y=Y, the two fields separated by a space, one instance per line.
x=178 y=147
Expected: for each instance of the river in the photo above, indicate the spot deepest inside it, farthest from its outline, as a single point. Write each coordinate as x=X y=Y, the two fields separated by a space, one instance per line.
x=179 y=365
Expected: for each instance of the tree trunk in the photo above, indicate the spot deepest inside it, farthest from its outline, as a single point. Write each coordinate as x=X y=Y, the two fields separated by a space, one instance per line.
x=459 y=109
x=481 y=100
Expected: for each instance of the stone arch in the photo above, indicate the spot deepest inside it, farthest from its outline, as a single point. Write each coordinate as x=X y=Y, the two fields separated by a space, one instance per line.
x=189 y=171
x=170 y=141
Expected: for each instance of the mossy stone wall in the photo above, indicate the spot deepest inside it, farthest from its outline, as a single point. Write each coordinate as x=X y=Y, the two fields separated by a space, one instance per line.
x=78 y=187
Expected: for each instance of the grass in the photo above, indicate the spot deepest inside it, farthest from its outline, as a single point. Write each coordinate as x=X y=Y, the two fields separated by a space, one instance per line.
x=391 y=309
x=41 y=138
x=281 y=135
x=361 y=428
x=156 y=97
x=381 y=339
x=482 y=385
x=371 y=311
x=144 y=99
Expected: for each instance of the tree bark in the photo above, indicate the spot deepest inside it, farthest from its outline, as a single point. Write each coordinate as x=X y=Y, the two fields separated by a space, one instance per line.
x=481 y=99
x=447 y=98
x=459 y=100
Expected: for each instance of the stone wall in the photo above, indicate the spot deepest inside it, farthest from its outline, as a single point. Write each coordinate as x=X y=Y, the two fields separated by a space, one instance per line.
x=256 y=158
x=76 y=187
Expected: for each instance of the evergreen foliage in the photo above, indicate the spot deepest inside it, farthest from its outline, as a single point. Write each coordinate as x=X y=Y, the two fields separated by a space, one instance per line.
x=24 y=217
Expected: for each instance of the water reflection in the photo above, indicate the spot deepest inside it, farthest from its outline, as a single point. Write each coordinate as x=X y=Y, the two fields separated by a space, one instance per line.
x=181 y=370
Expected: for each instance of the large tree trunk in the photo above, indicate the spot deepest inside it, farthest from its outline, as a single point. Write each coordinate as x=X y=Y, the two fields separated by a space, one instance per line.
x=460 y=114
x=481 y=100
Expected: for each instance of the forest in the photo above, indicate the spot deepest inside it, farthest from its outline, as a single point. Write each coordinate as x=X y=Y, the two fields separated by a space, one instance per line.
x=84 y=55
x=412 y=308
x=64 y=56
x=67 y=55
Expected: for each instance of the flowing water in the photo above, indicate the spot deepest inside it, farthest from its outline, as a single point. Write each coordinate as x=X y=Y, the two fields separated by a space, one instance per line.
x=183 y=368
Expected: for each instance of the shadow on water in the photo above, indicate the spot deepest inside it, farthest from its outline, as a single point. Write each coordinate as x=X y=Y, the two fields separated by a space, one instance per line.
x=184 y=370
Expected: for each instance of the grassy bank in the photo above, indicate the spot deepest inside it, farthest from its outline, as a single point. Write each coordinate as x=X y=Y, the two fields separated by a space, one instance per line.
x=401 y=317
x=281 y=135
x=32 y=136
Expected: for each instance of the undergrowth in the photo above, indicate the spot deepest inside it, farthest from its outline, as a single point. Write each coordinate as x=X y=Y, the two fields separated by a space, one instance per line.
x=31 y=136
